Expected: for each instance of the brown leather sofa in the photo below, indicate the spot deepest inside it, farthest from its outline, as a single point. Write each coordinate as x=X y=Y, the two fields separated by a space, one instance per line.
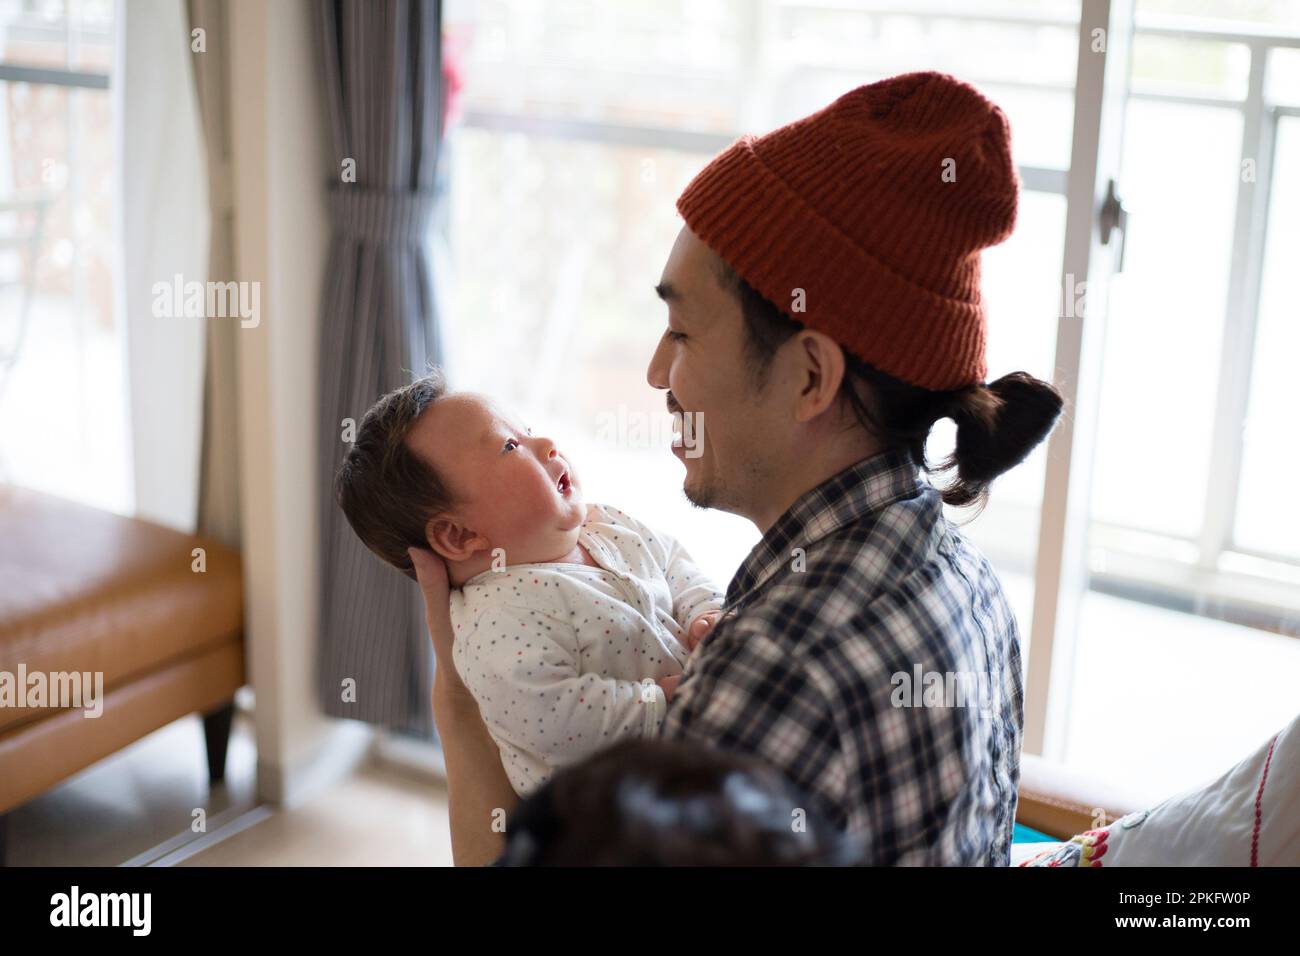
x=83 y=590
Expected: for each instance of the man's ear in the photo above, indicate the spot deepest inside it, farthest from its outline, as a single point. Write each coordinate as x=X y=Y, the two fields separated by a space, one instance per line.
x=452 y=540
x=820 y=371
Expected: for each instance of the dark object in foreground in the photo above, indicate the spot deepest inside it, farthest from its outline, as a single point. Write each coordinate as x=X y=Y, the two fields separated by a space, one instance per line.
x=660 y=803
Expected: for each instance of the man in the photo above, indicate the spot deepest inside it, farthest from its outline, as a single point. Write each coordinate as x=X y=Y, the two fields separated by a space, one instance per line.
x=824 y=311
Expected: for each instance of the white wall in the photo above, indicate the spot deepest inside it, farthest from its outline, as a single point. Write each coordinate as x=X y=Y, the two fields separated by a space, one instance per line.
x=281 y=165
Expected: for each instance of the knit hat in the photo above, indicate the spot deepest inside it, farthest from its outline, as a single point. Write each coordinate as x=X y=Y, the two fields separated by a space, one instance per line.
x=876 y=208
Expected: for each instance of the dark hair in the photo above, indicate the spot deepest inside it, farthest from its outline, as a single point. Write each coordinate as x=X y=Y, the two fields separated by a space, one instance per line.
x=387 y=492
x=649 y=802
x=998 y=424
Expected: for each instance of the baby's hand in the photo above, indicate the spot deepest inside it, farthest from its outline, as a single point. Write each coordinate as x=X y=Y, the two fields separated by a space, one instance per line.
x=669 y=684
x=699 y=628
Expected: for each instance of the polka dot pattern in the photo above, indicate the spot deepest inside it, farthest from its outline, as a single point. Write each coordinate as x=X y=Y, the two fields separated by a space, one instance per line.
x=563 y=658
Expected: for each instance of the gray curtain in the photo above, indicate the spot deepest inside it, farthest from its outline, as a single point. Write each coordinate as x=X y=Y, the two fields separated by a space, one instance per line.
x=381 y=75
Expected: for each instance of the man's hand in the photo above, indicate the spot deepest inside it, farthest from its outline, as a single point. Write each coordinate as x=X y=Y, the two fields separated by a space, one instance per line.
x=699 y=628
x=431 y=571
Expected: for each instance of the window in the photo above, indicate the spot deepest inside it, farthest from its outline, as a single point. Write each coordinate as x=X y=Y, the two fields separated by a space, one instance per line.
x=1196 y=312
x=62 y=398
x=583 y=121
x=1272 y=454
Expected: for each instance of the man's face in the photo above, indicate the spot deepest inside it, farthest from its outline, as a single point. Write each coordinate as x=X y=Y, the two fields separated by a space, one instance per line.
x=512 y=487
x=702 y=363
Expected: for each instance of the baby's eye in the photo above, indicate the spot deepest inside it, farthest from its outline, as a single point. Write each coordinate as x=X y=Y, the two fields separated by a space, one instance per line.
x=510 y=445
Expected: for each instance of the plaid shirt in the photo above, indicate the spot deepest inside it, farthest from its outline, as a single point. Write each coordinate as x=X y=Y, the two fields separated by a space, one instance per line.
x=842 y=631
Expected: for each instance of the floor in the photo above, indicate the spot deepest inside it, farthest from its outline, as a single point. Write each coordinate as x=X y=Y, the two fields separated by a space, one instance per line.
x=379 y=816
x=139 y=807
x=129 y=803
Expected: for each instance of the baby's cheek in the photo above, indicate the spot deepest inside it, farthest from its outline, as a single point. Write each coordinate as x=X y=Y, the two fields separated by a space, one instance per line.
x=533 y=509
x=520 y=497
x=541 y=497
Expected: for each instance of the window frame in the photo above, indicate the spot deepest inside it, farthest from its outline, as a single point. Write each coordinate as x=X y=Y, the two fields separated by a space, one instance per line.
x=1266 y=595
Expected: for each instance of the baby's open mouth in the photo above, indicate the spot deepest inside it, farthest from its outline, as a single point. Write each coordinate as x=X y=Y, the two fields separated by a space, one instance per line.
x=563 y=484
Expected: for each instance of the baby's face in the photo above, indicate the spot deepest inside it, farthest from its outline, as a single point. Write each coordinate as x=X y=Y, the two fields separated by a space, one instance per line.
x=513 y=487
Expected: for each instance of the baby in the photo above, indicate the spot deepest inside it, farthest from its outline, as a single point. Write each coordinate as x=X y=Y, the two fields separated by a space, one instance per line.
x=570 y=620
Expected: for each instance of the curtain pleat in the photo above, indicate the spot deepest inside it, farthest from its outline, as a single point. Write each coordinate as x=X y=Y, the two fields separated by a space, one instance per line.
x=219 y=469
x=381 y=70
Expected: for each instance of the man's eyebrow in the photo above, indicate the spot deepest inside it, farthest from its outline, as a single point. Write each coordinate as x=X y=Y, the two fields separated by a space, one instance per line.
x=667 y=291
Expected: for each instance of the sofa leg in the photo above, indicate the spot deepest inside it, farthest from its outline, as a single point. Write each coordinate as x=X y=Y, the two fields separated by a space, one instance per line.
x=216 y=734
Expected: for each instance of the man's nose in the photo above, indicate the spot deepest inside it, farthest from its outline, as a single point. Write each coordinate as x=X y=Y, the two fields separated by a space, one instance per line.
x=657 y=372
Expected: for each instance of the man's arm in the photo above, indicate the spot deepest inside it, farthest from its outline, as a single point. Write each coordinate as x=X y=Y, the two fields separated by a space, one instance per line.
x=479 y=794
x=477 y=784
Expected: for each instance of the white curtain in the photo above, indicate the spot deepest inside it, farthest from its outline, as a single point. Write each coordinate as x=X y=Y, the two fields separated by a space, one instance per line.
x=164 y=226
x=219 y=484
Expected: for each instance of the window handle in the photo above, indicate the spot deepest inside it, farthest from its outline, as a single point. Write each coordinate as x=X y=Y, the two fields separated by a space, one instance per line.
x=1114 y=216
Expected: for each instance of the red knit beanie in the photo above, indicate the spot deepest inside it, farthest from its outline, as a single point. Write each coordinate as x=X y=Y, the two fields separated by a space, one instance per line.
x=876 y=207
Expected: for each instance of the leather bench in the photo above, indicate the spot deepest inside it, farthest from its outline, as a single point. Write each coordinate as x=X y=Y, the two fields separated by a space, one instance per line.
x=87 y=592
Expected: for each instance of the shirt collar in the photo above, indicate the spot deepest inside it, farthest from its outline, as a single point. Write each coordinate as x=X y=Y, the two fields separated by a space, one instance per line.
x=841 y=500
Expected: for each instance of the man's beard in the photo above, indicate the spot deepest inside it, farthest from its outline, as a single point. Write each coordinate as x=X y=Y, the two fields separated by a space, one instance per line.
x=711 y=491
x=703 y=495
x=704 y=491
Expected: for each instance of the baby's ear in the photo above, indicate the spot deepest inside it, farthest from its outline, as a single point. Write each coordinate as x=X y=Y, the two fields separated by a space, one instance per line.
x=450 y=539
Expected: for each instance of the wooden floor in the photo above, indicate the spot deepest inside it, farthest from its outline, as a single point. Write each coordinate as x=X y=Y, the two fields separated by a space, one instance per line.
x=138 y=807
x=377 y=817
x=134 y=800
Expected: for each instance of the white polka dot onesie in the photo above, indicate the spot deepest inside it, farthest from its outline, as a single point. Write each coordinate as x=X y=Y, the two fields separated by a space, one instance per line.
x=562 y=658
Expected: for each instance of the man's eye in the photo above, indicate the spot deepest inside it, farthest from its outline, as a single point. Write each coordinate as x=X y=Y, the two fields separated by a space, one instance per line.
x=675 y=336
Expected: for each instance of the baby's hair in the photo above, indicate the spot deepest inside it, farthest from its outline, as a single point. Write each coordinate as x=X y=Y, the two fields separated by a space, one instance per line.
x=668 y=803
x=387 y=492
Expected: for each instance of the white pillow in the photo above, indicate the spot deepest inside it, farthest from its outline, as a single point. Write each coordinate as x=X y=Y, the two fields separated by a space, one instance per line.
x=1248 y=817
